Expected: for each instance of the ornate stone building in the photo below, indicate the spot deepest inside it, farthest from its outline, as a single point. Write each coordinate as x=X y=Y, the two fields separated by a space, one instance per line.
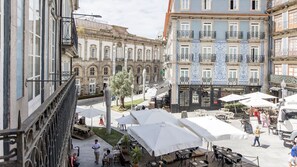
x=104 y=49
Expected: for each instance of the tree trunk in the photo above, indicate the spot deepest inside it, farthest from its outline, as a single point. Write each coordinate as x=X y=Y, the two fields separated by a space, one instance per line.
x=122 y=102
x=117 y=101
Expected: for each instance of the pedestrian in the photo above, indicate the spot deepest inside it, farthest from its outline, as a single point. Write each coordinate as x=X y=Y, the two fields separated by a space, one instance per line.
x=143 y=108
x=292 y=159
x=73 y=160
x=107 y=158
x=257 y=136
x=96 y=148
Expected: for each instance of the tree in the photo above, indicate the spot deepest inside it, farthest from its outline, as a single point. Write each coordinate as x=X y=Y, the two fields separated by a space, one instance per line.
x=121 y=86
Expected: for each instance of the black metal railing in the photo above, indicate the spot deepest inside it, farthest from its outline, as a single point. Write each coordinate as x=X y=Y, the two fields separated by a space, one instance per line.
x=43 y=138
x=254 y=81
x=234 y=35
x=185 y=57
x=69 y=36
x=255 y=59
x=255 y=35
x=188 y=34
x=207 y=34
x=232 y=81
x=207 y=58
x=184 y=80
x=233 y=58
x=207 y=81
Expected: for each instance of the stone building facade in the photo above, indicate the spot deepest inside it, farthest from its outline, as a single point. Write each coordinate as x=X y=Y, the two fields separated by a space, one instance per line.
x=105 y=49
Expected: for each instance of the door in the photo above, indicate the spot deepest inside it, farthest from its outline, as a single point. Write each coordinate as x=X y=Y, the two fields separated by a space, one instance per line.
x=254 y=30
x=207 y=28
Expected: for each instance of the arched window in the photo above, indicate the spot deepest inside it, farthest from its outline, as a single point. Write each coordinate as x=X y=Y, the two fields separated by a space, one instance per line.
x=139 y=54
x=92 y=71
x=76 y=71
x=138 y=70
x=147 y=70
x=106 y=52
x=155 y=69
x=93 y=51
x=148 y=54
x=130 y=53
x=105 y=71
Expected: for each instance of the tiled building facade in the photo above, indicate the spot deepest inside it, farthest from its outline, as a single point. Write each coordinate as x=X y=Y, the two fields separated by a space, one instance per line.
x=214 y=48
x=106 y=49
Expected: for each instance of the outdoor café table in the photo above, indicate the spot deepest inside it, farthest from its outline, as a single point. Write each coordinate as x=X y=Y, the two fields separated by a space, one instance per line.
x=182 y=155
x=232 y=156
x=198 y=163
x=152 y=163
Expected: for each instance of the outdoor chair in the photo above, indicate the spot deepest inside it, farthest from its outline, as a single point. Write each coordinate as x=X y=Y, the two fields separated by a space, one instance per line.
x=229 y=149
x=169 y=158
x=239 y=161
x=227 y=161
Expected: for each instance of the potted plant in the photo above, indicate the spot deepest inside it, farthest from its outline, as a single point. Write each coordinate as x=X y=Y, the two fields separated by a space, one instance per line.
x=136 y=155
x=125 y=143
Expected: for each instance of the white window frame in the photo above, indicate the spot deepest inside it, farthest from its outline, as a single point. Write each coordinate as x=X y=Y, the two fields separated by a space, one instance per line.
x=233 y=53
x=148 y=54
x=92 y=86
x=185 y=26
x=139 y=54
x=278 y=69
x=255 y=53
x=292 y=46
x=78 y=86
x=184 y=72
x=254 y=73
x=206 y=73
x=256 y=2
x=185 y=4
x=92 y=71
x=184 y=52
x=292 y=19
x=93 y=51
x=292 y=70
x=235 y=5
x=206 y=53
x=130 y=53
x=232 y=73
x=106 y=52
x=234 y=26
x=278 y=48
x=254 y=30
x=206 y=5
x=279 y=25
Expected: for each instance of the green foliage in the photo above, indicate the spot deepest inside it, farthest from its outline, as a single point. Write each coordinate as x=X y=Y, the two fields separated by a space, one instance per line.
x=113 y=138
x=126 y=141
x=231 y=106
x=121 y=85
x=136 y=155
x=127 y=105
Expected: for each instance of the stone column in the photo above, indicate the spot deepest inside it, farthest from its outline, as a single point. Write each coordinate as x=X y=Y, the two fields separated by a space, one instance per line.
x=108 y=105
x=143 y=55
x=266 y=60
x=100 y=50
x=86 y=50
x=126 y=56
x=135 y=52
x=113 y=58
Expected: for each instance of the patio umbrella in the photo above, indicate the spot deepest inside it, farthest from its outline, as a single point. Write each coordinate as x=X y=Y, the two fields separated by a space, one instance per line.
x=259 y=95
x=257 y=102
x=89 y=112
x=154 y=116
x=232 y=98
x=163 y=138
x=292 y=98
x=129 y=119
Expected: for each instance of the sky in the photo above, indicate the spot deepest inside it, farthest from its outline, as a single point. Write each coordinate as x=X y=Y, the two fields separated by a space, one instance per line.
x=141 y=17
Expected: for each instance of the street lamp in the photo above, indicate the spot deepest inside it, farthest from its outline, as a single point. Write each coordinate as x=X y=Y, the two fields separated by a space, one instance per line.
x=82 y=15
x=144 y=77
x=132 y=88
x=283 y=85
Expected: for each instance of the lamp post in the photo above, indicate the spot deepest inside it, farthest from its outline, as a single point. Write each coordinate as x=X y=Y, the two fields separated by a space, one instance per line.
x=132 y=88
x=82 y=15
x=283 y=85
x=144 y=77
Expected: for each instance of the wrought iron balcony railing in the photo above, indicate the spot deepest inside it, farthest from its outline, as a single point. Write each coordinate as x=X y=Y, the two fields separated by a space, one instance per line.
x=233 y=58
x=184 y=80
x=186 y=34
x=207 y=34
x=255 y=35
x=288 y=79
x=254 y=81
x=207 y=81
x=255 y=59
x=232 y=81
x=43 y=138
x=204 y=58
x=234 y=35
x=69 y=36
x=185 y=57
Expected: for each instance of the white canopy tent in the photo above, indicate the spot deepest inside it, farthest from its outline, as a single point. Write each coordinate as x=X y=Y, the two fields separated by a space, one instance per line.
x=292 y=98
x=232 y=97
x=162 y=138
x=154 y=116
x=259 y=95
x=212 y=129
x=257 y=102
x=89 y=112
x=128 y=119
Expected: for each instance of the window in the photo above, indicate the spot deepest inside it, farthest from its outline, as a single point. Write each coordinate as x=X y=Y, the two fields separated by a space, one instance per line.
x=278 y=23
x=148 y=54
x=277 y=47
x=278 y=70
x=105 y=71
x=52 y=46
x=34 y=49
x=185 y=26
x=254 y=74
x=184 y=72
x=232 y=73
x=130 y=53
x=207 y=29
x=92 y=71
x=293 y=19
x=19 y=49
x=76 y=71
x=206 y=54
x=233 y=51
x=195 y=97
x=233 y=30
x=293 y=46
x=206 y=4
x=106 y=52
x=293 y=71
x=92 y=86
x=185 y=4
x=184 y=53
x=155 y=69
x=93 y=51
x=184 y=97
x=254 y=54
x=139 y=54
x=255 y=5
x=254 y=30
x=233 y=4
x=77 y=84
x=155 y=55
x=147 y=70
x=206 y=73
x=138 y=70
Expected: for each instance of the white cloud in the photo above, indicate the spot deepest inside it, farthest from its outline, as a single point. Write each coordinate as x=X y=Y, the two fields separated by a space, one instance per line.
x=141 y=17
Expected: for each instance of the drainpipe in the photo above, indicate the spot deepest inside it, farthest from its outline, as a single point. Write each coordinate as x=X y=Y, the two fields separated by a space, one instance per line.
x=6 y=71
x=42 y=51
x=60 y=43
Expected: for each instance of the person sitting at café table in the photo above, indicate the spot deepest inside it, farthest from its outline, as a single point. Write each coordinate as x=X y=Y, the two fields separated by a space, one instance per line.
x=106 y=158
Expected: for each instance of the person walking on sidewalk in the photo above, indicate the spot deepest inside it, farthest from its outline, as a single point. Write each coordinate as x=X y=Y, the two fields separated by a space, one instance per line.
x=293 y=155
x=96 y=148
x=257 y=136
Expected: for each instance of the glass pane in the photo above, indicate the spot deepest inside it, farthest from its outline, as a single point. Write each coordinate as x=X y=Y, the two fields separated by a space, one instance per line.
x=30 y=90
x=30 y=66
x=37 y=46
x=37 y=87
x=37 y=66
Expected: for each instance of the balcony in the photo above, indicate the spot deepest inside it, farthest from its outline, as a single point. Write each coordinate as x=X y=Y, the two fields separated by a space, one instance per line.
x=233 y=58
x=254 y=81
x=290 y=80
x=207 y=58
x=207 y=35
x=255 y=59
x=274 y=5
x=43 y=138
x=69 y=33
x=106 y=58
x=232 y=81
x=120 y=59
x=206 y=81
x=234 y=35
x=185 y=34
x=184 y=80
x=255 y=35
x=185 y=58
